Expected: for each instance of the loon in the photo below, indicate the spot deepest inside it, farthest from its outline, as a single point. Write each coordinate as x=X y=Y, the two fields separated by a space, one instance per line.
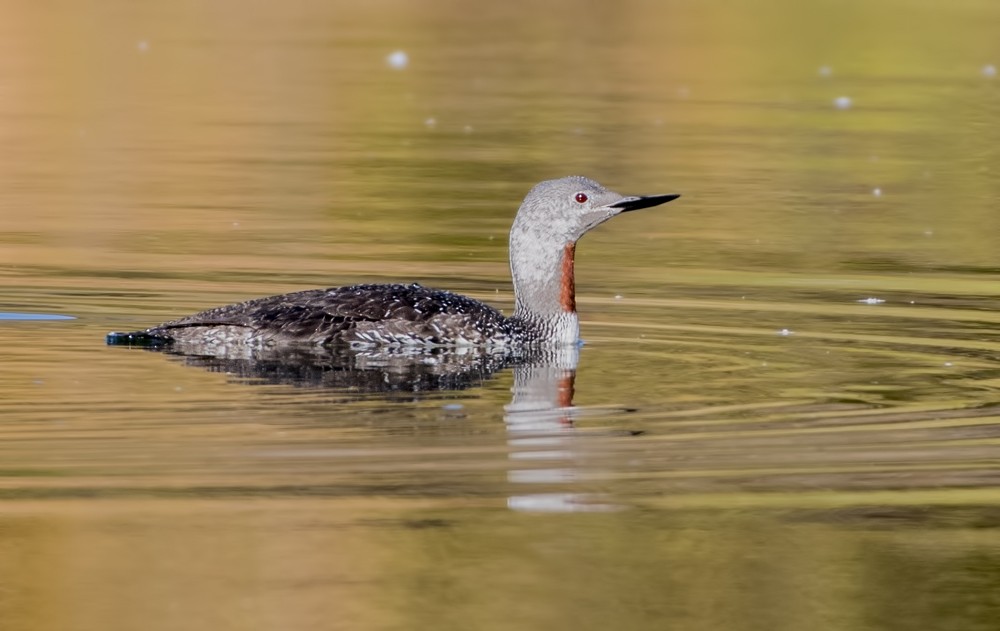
x=552 y=217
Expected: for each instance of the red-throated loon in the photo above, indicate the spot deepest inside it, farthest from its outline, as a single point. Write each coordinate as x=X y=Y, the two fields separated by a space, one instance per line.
x=553 y=216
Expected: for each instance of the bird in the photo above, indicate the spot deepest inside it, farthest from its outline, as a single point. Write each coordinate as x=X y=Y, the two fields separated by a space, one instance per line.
x=554 y=215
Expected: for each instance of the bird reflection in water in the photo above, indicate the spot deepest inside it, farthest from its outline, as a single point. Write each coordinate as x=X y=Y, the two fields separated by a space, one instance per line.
x=540 y=427
x=539 y=418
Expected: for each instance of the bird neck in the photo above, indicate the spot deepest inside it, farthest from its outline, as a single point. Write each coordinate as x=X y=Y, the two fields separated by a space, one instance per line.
x=544 y=283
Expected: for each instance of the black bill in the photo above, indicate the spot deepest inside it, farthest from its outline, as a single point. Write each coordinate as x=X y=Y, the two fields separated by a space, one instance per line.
x=645 y=201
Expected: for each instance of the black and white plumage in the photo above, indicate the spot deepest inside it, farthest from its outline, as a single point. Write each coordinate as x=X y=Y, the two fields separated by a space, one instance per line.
x=358 y=316
x=553 y=216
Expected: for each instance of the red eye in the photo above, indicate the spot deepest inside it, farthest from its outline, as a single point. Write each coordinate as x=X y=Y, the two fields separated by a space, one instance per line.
x=581 y=197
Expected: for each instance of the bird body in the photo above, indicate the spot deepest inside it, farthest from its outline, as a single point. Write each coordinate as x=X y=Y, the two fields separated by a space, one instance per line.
x=553 y=216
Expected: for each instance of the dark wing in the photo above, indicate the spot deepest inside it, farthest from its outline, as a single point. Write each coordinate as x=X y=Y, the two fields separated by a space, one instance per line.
x=294 y=314
x=376 y=314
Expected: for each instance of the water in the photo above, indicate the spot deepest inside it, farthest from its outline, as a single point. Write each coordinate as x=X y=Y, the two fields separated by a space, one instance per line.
x=785 y=415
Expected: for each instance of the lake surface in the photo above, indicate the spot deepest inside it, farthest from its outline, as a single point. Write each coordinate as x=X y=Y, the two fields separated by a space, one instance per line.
x=786 y=414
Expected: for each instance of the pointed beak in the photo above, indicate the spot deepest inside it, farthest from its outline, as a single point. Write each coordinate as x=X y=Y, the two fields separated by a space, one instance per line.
x=636 y=202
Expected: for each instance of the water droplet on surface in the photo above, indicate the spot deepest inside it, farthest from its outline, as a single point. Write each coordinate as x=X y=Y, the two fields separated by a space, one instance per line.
x=825 y=71
x=989 y=70
x=843 y=102
x=877 y=192
x=397 y=60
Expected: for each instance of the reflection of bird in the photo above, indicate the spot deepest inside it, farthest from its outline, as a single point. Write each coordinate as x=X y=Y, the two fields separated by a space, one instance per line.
x=396 y=373
x=553 y=216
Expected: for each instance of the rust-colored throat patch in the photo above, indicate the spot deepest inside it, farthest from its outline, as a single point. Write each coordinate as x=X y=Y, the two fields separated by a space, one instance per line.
x=567 y=292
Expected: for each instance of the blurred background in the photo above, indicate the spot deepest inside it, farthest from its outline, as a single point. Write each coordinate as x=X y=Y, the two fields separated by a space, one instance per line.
x=196 y=137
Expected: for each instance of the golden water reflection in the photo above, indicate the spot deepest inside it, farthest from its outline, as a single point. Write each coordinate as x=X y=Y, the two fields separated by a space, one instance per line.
x=368 y=563
x=754 y=444
x=314 y=504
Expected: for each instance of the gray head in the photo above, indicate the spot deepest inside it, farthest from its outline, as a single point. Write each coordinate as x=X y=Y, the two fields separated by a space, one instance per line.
x=564 y=210
x=542 y=244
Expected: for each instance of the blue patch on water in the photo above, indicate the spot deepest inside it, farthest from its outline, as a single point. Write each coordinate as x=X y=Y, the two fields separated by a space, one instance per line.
x=7 y=315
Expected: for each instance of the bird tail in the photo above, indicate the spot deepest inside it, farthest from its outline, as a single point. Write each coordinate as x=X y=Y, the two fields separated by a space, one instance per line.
x=143 y=339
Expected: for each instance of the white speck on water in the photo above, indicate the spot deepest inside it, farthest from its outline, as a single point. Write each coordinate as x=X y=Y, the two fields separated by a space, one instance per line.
x=786 y=332
x=843 y=102
x=928 y=233
x=467 y=129
x=397 y=60
x=872 y=301
x=452 y=407
x=236 y=224
x=618 y=296
x=430 y=122
x=142 y=46
x=825 y=71
x=948 y=364
x=684 y=92
x=989 y=70
x=877 y=192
